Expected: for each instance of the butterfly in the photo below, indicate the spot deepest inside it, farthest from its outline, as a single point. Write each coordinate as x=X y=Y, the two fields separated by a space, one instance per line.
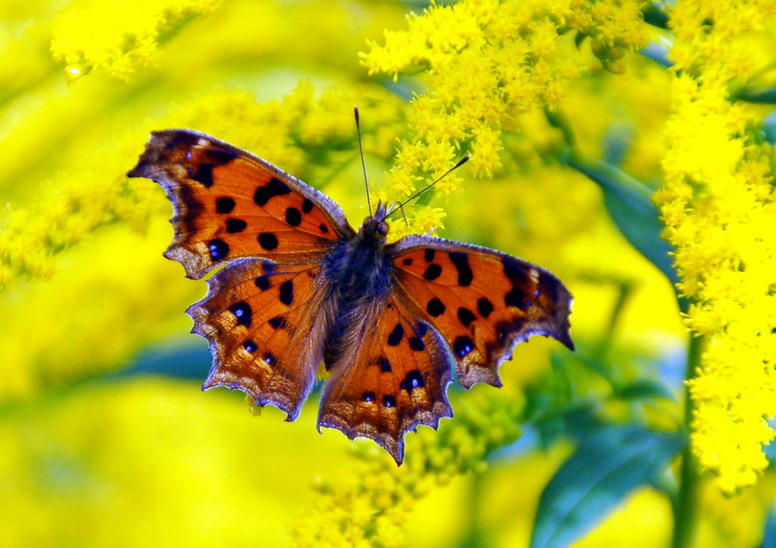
x=299 y=286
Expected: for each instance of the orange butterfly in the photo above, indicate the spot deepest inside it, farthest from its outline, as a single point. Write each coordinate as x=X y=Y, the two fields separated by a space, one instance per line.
x=390 y=321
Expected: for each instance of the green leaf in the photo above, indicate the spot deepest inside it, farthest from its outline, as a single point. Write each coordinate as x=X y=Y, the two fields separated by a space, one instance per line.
x=765 y=95
x=643 y=389
x=606 y=466
x=630 y=207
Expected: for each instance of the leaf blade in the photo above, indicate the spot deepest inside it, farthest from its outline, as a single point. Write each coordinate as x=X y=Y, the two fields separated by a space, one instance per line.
x=605 y=467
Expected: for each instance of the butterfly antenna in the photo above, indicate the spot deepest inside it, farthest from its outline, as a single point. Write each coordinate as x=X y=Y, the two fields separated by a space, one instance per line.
x=363 y=162
x=400 y=205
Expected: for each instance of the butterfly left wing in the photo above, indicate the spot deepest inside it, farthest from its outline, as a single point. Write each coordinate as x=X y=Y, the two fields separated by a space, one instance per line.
x=391 y=377
x=482 y=301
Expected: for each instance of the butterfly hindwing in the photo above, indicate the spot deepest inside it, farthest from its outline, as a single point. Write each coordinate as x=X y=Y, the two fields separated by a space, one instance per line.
x=483 y=302
x=230 y=204
x=265 y=339
x=393 y=378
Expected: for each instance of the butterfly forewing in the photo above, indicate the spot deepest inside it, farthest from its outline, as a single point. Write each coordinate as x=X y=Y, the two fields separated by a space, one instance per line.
x=483 y=302
x=393 y=379
x=230 y=204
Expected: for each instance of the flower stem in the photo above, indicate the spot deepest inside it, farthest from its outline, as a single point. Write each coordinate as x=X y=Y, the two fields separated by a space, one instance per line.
x=685 y=505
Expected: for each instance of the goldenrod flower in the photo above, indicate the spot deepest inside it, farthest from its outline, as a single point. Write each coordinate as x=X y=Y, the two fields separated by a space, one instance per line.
x=369 y=506
x=117 y=36
x=717 y=202
x=487 y=62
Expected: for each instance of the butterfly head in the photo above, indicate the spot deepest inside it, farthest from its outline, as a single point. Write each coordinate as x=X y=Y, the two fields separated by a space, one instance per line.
x=376 y=225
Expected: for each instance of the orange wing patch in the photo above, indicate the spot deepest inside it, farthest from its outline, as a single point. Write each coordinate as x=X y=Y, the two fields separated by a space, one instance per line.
x=230 y=204
x=482 y=302
x=259 y=320
x=394 y=379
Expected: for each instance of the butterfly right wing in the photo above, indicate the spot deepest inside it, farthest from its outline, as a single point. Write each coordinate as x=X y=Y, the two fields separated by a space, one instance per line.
x=230 y=204
x=265 y=328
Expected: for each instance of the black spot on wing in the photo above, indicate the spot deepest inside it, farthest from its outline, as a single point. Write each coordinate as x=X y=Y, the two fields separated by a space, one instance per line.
x=461 y=262
x=266 y=192
x=484 y=307
x=218 y=156
x=396 y=335
x=384 y=364
x=462 y=346
x=514 y=270
x=433 y=271
x=242 y=311
x=412 y=381
x=262 y=282
x=268 y=241
x=435 y=307
x=250 y=346
x=465 y=316
x=287 y=292
x=515 y=297
x=428 y=255
x=307 y=206
x=234 y=226
x=218 y=249
x=277 y=322
x=211 y=158
x=417 y=344
x=293 y=216
x=204 y=175
x=224 y=205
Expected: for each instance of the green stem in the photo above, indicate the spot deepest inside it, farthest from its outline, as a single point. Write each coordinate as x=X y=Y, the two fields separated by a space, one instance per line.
x=685 y=507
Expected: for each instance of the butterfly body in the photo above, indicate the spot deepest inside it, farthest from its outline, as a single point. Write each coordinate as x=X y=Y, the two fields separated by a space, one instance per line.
x=300 y=286
x=361 y=278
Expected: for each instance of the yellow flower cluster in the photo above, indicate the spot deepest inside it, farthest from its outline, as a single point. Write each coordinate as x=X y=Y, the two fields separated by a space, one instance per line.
x=422 y=219
x=719 y=206
x=117 y=36
x=53 y=326
x=77 y=202
x=369 y=506
x=485 y=63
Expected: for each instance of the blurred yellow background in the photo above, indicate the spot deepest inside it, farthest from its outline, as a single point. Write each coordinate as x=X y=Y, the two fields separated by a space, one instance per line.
x=105 y=437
